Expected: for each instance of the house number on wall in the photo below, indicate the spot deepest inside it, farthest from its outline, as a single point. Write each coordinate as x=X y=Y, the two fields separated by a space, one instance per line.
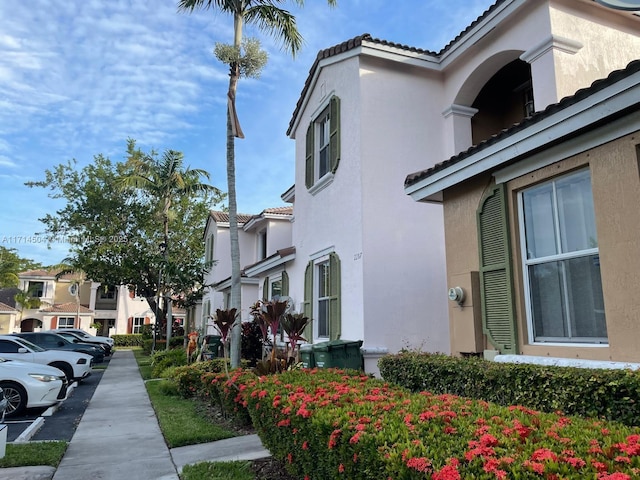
x=357 y=256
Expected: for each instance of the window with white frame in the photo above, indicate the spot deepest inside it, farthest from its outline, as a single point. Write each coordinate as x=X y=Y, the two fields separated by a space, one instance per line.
x=323 y=298
x=275 y=288
x=322 y=149
x=36 y=289
x=561 y=262
x=66 y=322
x=138 y=323
x=262 y=244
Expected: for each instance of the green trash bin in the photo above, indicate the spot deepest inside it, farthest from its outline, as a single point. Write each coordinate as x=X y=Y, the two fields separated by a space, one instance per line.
x=214 y=345
x=306 y=356
x=338 y=354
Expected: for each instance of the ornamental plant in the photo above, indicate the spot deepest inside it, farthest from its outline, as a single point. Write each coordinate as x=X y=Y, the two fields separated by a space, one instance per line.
x=268 y=315
x=325 y=425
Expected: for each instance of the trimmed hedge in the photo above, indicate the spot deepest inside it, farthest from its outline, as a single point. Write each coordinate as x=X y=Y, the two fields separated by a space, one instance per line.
x=325 y=425
x=597 y=393
x=128 y=340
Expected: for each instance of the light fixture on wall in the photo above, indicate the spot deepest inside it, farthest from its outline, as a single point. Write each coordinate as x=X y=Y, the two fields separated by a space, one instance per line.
x=629 y=5
x=456 y=294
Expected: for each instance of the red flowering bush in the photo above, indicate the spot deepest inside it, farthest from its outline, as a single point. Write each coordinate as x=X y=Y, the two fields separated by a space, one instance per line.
x=188 y=378
x=327 y=425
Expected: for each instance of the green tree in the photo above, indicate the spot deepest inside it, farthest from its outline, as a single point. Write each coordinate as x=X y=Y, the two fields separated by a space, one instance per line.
x=268 y=17
x=165 y=181
x=11 y=264
x=25 y=300
x=114 y=234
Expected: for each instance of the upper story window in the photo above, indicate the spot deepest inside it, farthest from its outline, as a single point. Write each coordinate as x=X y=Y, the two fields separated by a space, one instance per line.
x=262 y=244
x=561 y=261
x=208 y=253
x=36 y=289
x=108 y=294
x=322 y=151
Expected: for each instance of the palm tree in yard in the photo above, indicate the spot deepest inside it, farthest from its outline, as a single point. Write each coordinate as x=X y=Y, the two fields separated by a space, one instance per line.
x=281 y=24
x=166 y=181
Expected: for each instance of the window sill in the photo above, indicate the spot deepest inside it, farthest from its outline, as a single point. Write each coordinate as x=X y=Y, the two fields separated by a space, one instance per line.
x=321 y=184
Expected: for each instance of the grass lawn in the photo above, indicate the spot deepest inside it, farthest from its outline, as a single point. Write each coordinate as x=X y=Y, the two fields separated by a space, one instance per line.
x=31 y=454
x=218 y=471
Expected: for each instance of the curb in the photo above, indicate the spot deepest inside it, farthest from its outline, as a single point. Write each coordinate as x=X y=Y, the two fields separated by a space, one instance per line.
x=37 y=424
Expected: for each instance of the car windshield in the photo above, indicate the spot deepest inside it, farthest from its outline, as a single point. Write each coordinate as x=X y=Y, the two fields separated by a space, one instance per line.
x=28 y=344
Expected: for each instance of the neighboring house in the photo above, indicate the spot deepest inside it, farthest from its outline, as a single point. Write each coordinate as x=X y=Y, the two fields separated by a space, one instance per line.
x=543 y=229
x=73 y=302
x=369 y=262
x=263 y=238
x=8 y=316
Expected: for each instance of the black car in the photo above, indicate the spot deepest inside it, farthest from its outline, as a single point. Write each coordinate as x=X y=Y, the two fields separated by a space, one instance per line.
x=75 y=338
x=53 y=341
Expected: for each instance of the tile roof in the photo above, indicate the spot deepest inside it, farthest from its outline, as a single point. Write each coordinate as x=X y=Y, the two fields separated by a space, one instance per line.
x=69 y=307
x=6 y=308
x=50 y=273
x=223 y=217
x=7 y=294
x=566 y=102
x=356 y=42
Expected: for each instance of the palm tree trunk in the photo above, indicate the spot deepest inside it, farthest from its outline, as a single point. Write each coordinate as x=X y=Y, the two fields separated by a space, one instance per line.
x=236 y=290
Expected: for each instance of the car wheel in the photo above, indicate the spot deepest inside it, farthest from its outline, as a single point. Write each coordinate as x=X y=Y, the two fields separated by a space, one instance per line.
x=16 y=398
x=66 y=368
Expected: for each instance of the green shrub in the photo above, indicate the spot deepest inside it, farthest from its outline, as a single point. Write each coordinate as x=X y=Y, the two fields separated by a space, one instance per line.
x=188 y=378
x=163 y=359
x=598 y=393
x=326 y=425
x=129 y=340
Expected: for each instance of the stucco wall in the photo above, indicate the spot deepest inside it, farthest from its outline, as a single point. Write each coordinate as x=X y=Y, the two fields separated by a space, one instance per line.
x=615 y=181
x=403 y=244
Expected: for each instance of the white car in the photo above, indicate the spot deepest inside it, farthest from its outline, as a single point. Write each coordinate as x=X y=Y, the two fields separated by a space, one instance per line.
x=29 y=385
x=74 y=365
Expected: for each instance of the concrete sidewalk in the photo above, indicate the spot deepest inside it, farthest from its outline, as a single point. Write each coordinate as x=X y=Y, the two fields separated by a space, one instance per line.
x=119 y=437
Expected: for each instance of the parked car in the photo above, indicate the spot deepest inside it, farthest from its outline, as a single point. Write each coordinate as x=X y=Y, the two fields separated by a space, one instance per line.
x=95 y=338
x=74 y=365
x=53 y=341
x=29 y=385
x=3 y=405
x=71 y=334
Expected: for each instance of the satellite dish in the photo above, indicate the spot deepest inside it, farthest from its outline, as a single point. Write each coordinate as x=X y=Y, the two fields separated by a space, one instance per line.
x=73 y=289
x=629 y=5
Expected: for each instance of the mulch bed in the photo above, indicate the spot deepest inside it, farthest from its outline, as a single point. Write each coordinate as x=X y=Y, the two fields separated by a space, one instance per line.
x=264 y=468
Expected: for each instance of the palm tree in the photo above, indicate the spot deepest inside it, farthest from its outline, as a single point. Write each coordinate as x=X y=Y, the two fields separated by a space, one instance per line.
x=26 y=300
x=280 y=24
x=167 y=181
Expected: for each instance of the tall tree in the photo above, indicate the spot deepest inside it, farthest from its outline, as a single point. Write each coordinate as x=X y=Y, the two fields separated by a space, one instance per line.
x=268 y=17
x=26 y=300
x=165 y=180
x=11 y=264
x=114 y=235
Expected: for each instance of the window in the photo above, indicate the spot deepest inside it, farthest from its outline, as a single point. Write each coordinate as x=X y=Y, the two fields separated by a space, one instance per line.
x=36 y=289
x=138 y=323
x=322 y=151
x=108 y=293
x=262 y=244
x=561 y=261
x=7 y=346
x=208 y=254
x=66 y=322
x=322 y=298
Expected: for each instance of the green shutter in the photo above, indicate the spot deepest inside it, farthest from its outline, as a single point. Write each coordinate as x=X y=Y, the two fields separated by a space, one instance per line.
x=496 y=277
x=307 y=305
x=265 y=289
x=335 y=325
x=207 y=259
x=309 y=172
x=334 y=133
x=285 y=284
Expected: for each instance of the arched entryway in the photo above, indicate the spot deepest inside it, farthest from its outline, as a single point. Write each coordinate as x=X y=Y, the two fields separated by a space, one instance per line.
x=29 y=324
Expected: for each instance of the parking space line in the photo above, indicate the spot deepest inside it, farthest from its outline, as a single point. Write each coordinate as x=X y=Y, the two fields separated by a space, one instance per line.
x=30 y=431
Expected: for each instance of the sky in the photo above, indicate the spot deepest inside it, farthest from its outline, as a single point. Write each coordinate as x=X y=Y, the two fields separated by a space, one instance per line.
x=80 y=77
